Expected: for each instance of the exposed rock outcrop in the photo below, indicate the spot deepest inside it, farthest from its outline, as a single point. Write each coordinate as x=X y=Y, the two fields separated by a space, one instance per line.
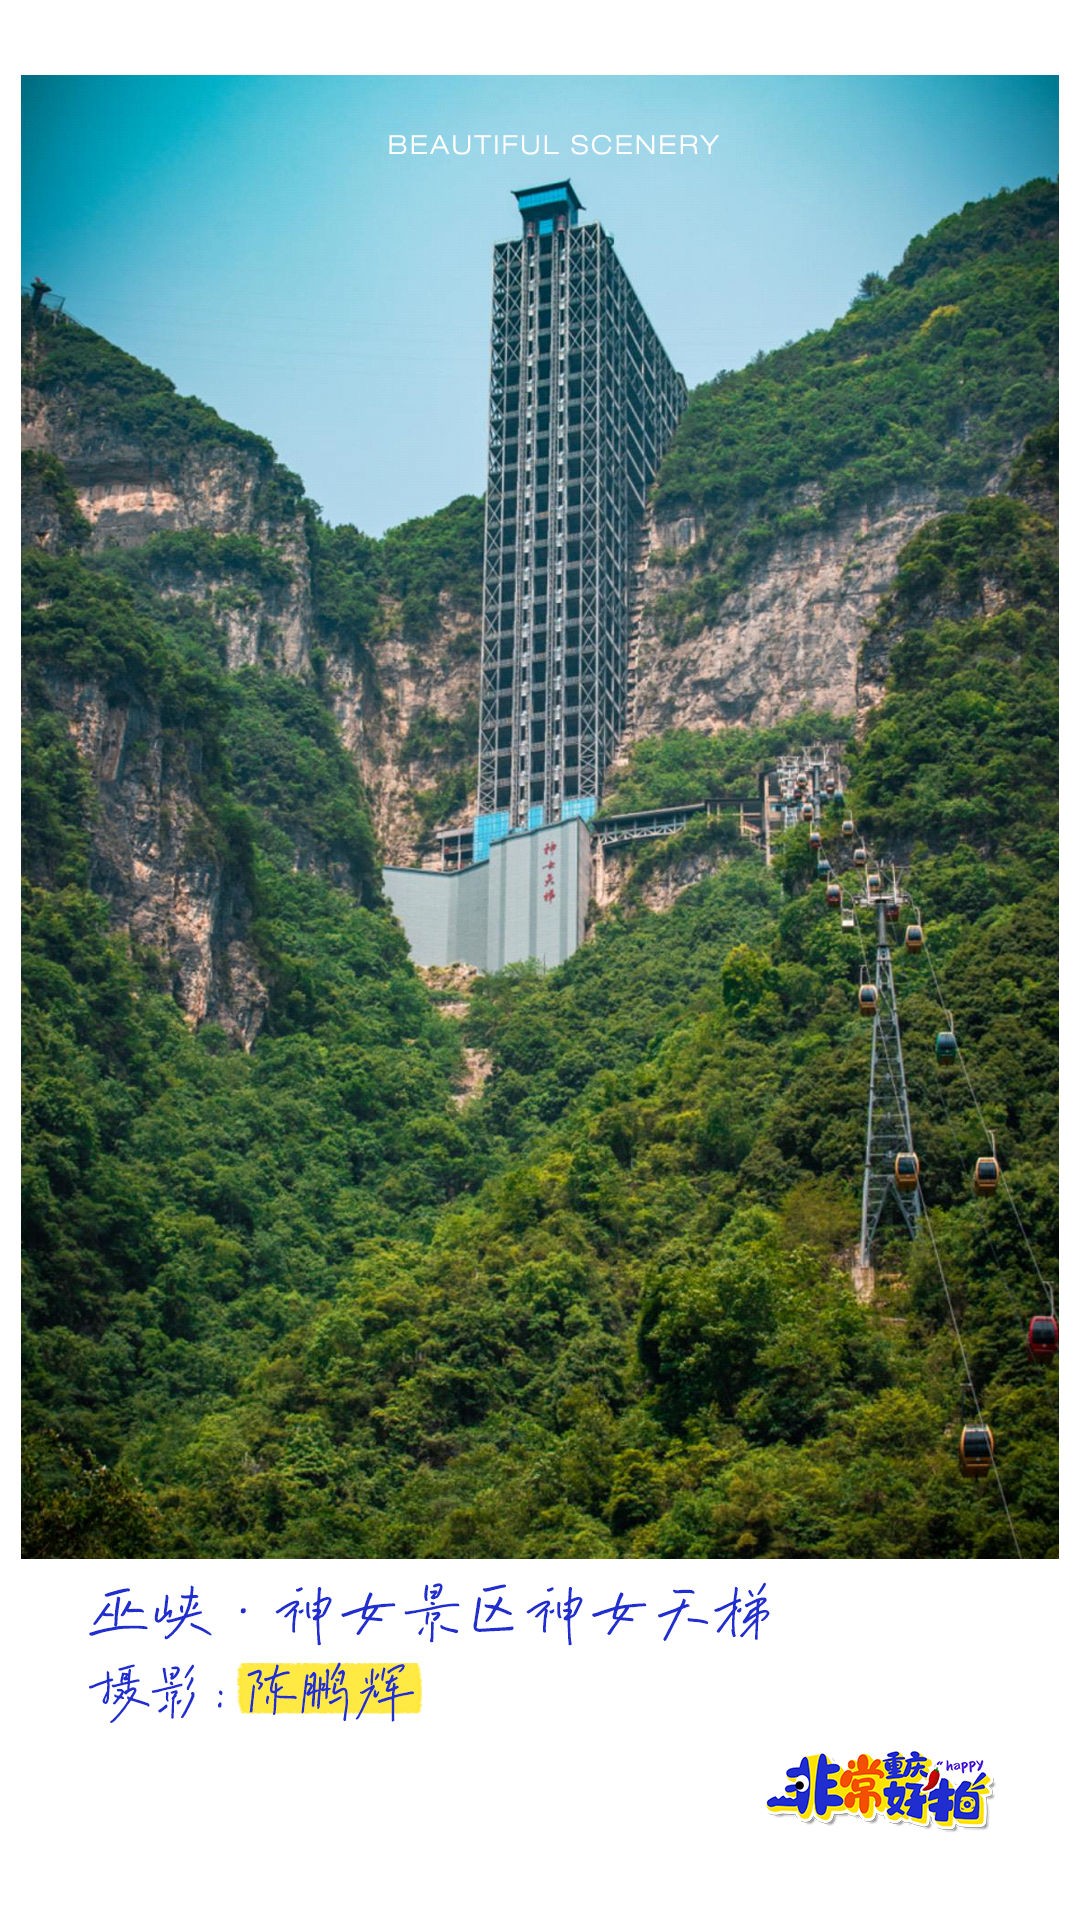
x=614 y=870
x=790 y=637
x=127 y=491
x=377 y=709
x=154 y=859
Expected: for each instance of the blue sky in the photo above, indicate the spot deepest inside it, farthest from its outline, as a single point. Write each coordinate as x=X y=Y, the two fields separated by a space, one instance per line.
x=254 y=239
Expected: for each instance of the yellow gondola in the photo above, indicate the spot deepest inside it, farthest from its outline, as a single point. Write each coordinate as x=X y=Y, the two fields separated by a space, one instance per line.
x=873 y=885
x=859 y=856
x=906 y=1172
x=986 y=1174
x=848 y=829
x=867 y=998
x=913 y=939
x=976 y=1451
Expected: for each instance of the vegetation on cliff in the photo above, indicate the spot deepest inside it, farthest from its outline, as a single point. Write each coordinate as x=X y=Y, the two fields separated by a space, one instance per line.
x=298 y=1301
x=605 y=1311
x=931 y=380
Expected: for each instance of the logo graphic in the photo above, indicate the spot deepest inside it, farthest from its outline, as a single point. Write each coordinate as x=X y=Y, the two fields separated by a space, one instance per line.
x=903 y=1786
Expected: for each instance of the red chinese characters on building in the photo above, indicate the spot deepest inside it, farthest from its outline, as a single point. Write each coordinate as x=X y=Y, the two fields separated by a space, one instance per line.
x=548 y=871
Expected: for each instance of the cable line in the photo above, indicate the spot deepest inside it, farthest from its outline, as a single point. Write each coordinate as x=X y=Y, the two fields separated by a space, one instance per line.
x=1046 y=1286
x=970 y=1381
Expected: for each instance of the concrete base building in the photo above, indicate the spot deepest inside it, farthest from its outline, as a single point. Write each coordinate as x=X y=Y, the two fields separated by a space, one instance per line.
x=583 y=403
x=526 y=901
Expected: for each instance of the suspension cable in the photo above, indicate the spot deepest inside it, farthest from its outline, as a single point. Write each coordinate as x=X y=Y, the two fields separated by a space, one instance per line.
x=980 y=1212
x=970 y=1381
x=949 y=1303
x=1045 y=1284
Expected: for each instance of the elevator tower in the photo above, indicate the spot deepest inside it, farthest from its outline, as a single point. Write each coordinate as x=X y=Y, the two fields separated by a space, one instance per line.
x=583 y=403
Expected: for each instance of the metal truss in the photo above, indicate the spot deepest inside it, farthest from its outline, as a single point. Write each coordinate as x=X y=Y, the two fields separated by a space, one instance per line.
x=888 y=1121
x=555 y=674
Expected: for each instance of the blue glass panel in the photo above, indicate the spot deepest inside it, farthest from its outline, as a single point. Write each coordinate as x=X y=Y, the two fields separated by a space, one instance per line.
x=582 y=807
x=489 y=827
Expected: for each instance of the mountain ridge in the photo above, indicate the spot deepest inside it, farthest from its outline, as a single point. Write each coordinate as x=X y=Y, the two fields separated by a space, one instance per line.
x=327 y=1268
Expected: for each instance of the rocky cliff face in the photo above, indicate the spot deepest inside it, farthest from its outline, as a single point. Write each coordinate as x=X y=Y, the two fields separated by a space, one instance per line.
x=671 y=873
x=791 y=637
x=154 y=859
x=378 y=710
x=125 y=491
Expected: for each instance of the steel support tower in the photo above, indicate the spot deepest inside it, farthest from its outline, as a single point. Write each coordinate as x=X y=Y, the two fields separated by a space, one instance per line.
x=888 y=1122
x=583 y=403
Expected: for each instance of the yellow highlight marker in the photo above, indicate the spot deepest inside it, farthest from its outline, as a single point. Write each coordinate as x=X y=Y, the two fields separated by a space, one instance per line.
x=344 y=1692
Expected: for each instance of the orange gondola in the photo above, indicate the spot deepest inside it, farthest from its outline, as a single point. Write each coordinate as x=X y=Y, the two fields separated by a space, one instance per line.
x=906 y=1172
x=976 y=1451
x=913 y=939
x=873 y=885
x=985 y=1178
x=867 y=998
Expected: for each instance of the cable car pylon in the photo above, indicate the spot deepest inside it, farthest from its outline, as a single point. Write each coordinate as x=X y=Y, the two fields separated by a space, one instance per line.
x=888 y=1120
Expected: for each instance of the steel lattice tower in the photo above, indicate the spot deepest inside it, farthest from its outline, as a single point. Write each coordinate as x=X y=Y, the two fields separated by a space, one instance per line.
x=888 y=1121
x=583 y=403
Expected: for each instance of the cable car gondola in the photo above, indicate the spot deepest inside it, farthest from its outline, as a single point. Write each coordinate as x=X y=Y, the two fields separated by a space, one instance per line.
x=823 y=869
x=833 y=895
x=859 y=856
x=906 y=1172
x=808 y=810
x=913 y=939
x=847 y=921
x=867 y=997
x=892 y=909
x=815 y=838
x=848 y=829
x=873 y=885
x=946 y=1046
x=976 y=1451
x=986 y=1174
x=1042 y=1336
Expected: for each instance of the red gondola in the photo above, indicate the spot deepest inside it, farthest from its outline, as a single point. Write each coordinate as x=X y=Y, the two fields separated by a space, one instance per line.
x=833 y=896
x=1042 y=1336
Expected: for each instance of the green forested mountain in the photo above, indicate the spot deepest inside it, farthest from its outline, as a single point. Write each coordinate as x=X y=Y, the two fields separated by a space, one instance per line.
x=932 y=378
x=301 y=1298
